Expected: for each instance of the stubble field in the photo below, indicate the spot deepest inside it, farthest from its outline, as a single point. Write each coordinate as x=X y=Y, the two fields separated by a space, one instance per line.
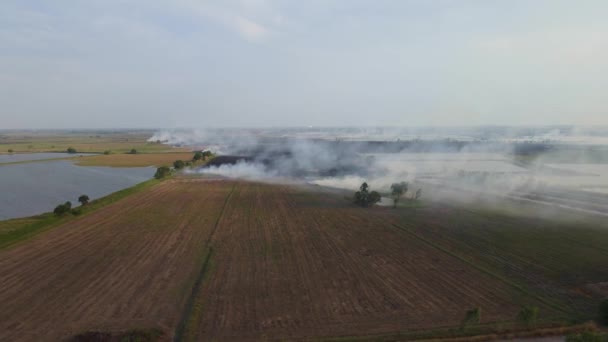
x=204 y=259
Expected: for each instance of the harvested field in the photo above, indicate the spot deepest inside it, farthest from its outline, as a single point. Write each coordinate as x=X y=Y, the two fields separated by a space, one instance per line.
x=205 y=259
x=126 y=266
x=135 y=160
x=83 y=141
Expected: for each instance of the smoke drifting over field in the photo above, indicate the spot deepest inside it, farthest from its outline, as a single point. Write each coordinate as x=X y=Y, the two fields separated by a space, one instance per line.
x=523 y=163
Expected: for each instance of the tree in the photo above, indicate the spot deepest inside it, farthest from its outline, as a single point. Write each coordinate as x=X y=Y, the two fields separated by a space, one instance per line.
x=106 y=152
x=398 y=190
x=162 y=172
x=528 y=316
x=62 y=208
x=472 y=316
x=202 y=155
x=604 y=311
x=418 y=194
x=133 y=151
x=10 y=150
x=179 y=164
x=71 y=150
x=365 y=198
x=83 y=199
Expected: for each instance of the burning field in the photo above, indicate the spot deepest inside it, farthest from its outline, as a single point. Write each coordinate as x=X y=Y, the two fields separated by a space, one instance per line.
x=215 y=259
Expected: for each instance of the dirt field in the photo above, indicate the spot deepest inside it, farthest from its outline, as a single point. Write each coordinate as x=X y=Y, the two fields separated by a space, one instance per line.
x=223 y=260
x=126 y=266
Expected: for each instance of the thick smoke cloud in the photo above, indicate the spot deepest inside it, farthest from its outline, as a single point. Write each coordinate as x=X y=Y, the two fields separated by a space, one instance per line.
x=515 y=163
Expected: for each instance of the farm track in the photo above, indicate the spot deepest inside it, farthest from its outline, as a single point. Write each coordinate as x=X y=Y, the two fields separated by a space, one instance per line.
x=220 y=260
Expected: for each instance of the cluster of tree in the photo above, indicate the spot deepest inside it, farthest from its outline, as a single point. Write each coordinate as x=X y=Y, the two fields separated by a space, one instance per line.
x=71 y=150
x=162 y=172
x=365 y=198
x=201 y=155
x=180 y=164
x=66 y=207
x=63 y=208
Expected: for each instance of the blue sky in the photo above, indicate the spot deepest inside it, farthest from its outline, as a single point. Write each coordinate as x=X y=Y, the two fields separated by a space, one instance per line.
x=183 y=63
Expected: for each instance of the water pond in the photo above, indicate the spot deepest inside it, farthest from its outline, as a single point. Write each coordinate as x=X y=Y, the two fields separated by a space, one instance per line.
x=34 y=188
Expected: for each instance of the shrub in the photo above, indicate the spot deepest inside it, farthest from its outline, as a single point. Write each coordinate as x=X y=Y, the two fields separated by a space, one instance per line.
x=472 y=316
x=106 y=152
x=133 y=151
x=71 y=150
x=76 y=211
x=10 y=150
x=528 y=316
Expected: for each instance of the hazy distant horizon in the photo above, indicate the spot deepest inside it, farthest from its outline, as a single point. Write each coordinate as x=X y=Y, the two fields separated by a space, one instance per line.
x=270 y=63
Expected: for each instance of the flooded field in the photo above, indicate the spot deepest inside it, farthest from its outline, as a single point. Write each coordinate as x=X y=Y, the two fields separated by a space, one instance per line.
x=34 y=188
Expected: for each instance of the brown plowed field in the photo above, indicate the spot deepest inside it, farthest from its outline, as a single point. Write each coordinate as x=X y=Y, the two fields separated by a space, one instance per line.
x=287 y=263
x=125 y=266
x=291 y=264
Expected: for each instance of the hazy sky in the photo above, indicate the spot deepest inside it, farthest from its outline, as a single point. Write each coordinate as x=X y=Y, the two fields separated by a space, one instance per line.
x=180 y=63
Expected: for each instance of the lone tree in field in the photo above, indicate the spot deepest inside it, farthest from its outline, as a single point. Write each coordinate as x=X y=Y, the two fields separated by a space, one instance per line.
x=418 y=194
x=604 y=311
x=10 y=150
x=179 y=164
x=133 y=151
x=71 y=150
x=528 y=316
x=365 y=198
x=397 y=191
x=472 y=316
x=162 y=172
x=83 y=199
x=62 y=208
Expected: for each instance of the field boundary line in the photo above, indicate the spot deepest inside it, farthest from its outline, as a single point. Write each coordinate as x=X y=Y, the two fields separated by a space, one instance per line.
x=484 y=270
x=193 y=308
